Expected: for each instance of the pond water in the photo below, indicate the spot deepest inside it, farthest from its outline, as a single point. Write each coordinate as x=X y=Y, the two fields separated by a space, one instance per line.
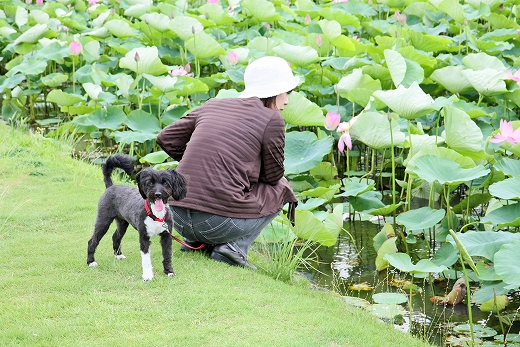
x=347 y=263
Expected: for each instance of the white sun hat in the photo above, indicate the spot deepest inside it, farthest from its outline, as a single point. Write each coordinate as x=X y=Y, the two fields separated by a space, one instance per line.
x=268 y=76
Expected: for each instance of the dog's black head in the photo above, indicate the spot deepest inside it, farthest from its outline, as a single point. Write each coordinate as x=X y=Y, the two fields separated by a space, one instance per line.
x=161 y=184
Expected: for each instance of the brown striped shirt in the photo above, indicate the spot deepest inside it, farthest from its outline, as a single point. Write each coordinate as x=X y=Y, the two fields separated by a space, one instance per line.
x=232 y=152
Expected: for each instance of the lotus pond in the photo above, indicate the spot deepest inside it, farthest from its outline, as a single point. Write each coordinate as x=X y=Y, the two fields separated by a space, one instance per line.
x=399 y=100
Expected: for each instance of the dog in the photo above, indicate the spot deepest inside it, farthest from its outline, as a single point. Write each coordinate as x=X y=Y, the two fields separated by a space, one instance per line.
x=145 y=208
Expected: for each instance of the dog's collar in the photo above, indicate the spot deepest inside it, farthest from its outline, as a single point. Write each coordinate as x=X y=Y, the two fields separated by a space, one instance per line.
x=151 y=215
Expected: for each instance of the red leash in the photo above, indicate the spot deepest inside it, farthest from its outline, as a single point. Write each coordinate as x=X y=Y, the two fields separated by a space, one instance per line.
x=202 y=245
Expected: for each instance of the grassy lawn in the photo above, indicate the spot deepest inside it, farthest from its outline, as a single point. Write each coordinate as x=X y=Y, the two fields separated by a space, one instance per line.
x=50 y=297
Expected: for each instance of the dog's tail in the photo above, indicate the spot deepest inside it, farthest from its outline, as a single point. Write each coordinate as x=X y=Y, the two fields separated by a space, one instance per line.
x=122 y=161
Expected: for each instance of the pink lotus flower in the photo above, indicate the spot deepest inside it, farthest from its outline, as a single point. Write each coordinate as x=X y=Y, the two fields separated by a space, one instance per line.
x=345 y=139
x=401 y=18
x=307 y=20
x=515 y=77
x=178 y=72
x=65 y=28
x=93 y=2
x=332 y=121
x=232 y=58
x=506 y=133
x=39 y=2
x=216 y=2
x=75 y=48
x=319 y=40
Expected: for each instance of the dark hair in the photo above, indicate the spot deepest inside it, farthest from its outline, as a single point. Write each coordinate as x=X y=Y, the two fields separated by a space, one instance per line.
x=270 y=102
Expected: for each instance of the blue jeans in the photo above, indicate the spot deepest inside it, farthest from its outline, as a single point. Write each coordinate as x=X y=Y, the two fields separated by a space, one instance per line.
x=238 y=233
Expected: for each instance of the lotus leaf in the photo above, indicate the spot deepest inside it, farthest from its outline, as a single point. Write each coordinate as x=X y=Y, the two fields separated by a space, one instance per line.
x=303 y=151
x=484 y=243
x=62 y=98
x=487 y=81
x=389 y=298
x=139 y=120
x=158 y=21
x=388 y=247
x=402 y=262
x=111 y=118
x=203 y=46
x=119 y=28
x=461 y=132
x=297 y=55
x=125 y=137
x=311 y=228
x=452 y=79
x=403 y=71
x=303 y=112
x=504 y=216
x=409 y=103
x=377 y=131
x=421 y=218
x=32 y=35
x=261 y=10
x=148 y=61
x=445 y=171
x=507 y=264
x=163 y=83
x=510 y=167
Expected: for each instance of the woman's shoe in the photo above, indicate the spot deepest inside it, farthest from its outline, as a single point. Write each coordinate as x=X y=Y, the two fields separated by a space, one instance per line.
x=225 y=254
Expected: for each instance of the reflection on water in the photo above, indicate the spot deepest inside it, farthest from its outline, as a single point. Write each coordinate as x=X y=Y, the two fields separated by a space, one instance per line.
x=350 y=262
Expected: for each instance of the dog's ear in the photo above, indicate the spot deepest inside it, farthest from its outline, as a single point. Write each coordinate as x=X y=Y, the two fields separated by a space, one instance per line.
x=139 y=185
x=179 y=185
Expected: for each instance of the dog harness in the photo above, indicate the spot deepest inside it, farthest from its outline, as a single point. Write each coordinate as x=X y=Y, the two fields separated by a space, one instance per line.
x=151 y=215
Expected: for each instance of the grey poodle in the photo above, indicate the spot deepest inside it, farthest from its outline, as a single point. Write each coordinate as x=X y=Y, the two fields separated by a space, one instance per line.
x=145 y=208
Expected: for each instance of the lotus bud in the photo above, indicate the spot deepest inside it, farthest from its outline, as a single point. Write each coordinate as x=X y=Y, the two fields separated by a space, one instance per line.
x=319 y=40
x=75 y=48
x=332 y=121
x=307 y=20
x=137 y=57
x=232 y=58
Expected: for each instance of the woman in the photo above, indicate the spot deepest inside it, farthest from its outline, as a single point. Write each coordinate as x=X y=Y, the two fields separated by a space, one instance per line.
x=232 y=152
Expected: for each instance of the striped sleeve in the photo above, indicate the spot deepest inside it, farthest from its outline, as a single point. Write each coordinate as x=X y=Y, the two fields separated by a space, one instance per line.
x=273 y=150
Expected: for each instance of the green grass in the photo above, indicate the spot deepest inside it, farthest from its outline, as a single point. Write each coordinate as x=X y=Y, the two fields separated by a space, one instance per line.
x=50 y=297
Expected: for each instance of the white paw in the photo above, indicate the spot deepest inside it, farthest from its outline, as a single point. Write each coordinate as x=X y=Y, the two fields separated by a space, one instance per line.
x=93 y=264
x=120 y=256
x=171 y=274
x=147 y=278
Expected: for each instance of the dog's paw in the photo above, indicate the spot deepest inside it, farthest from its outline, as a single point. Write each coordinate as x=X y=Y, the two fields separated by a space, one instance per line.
x=171 y=274
x=120 y=256
x=93 y=264
x=147 y=278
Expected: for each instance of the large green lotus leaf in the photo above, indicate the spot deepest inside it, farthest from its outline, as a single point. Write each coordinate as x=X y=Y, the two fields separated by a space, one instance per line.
x=402 y=262
x=507 y=264
x=311 y=204
x=330 y=28
x=514 y=96
x=216 y=13
x=158 y=21
x=138 y=9
x=385 y=210
x=95 y=92
x=325 y=172
x=297 y=55
x=54 y=80
x=344 y=44
x=461 y=132
x=154 y=157
x=80 y=109
x=484 y=243
x=504 y=216
x=487 y=82
x=358 y=88
x=482 y=61
x=472 y=201
x=111 y=118
x=184 y=26
x=487 y=291
x=421 y=218
x=367 y=201
x=187 y=85
x=355 y=188
x=326 y=193
x=53 y=51
x=403 y=71
x=277 y=231
x=506 y=189
x=445 y=171
x=148 y=62
x=163 y=83
x=139 y=120
x=510 y=167
x=302 y=112
x=303 y=151
x=440 y=152
x=334 y=221
x=430 y=43
x=386 y=311
x=119 y=28
x=62 y=98
x=203 y=46
x=373 y=129
x=32 y=35
x=309 y=227
x=29 y=67
x=451 y=78
x=388 y=247
x=123 y=137
x=21 y=17
x=446 y=255
x=261 y=10
x=389 y=298
x=496 y=304
x=487 y=271
x=409 y=103
x=453 y=9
